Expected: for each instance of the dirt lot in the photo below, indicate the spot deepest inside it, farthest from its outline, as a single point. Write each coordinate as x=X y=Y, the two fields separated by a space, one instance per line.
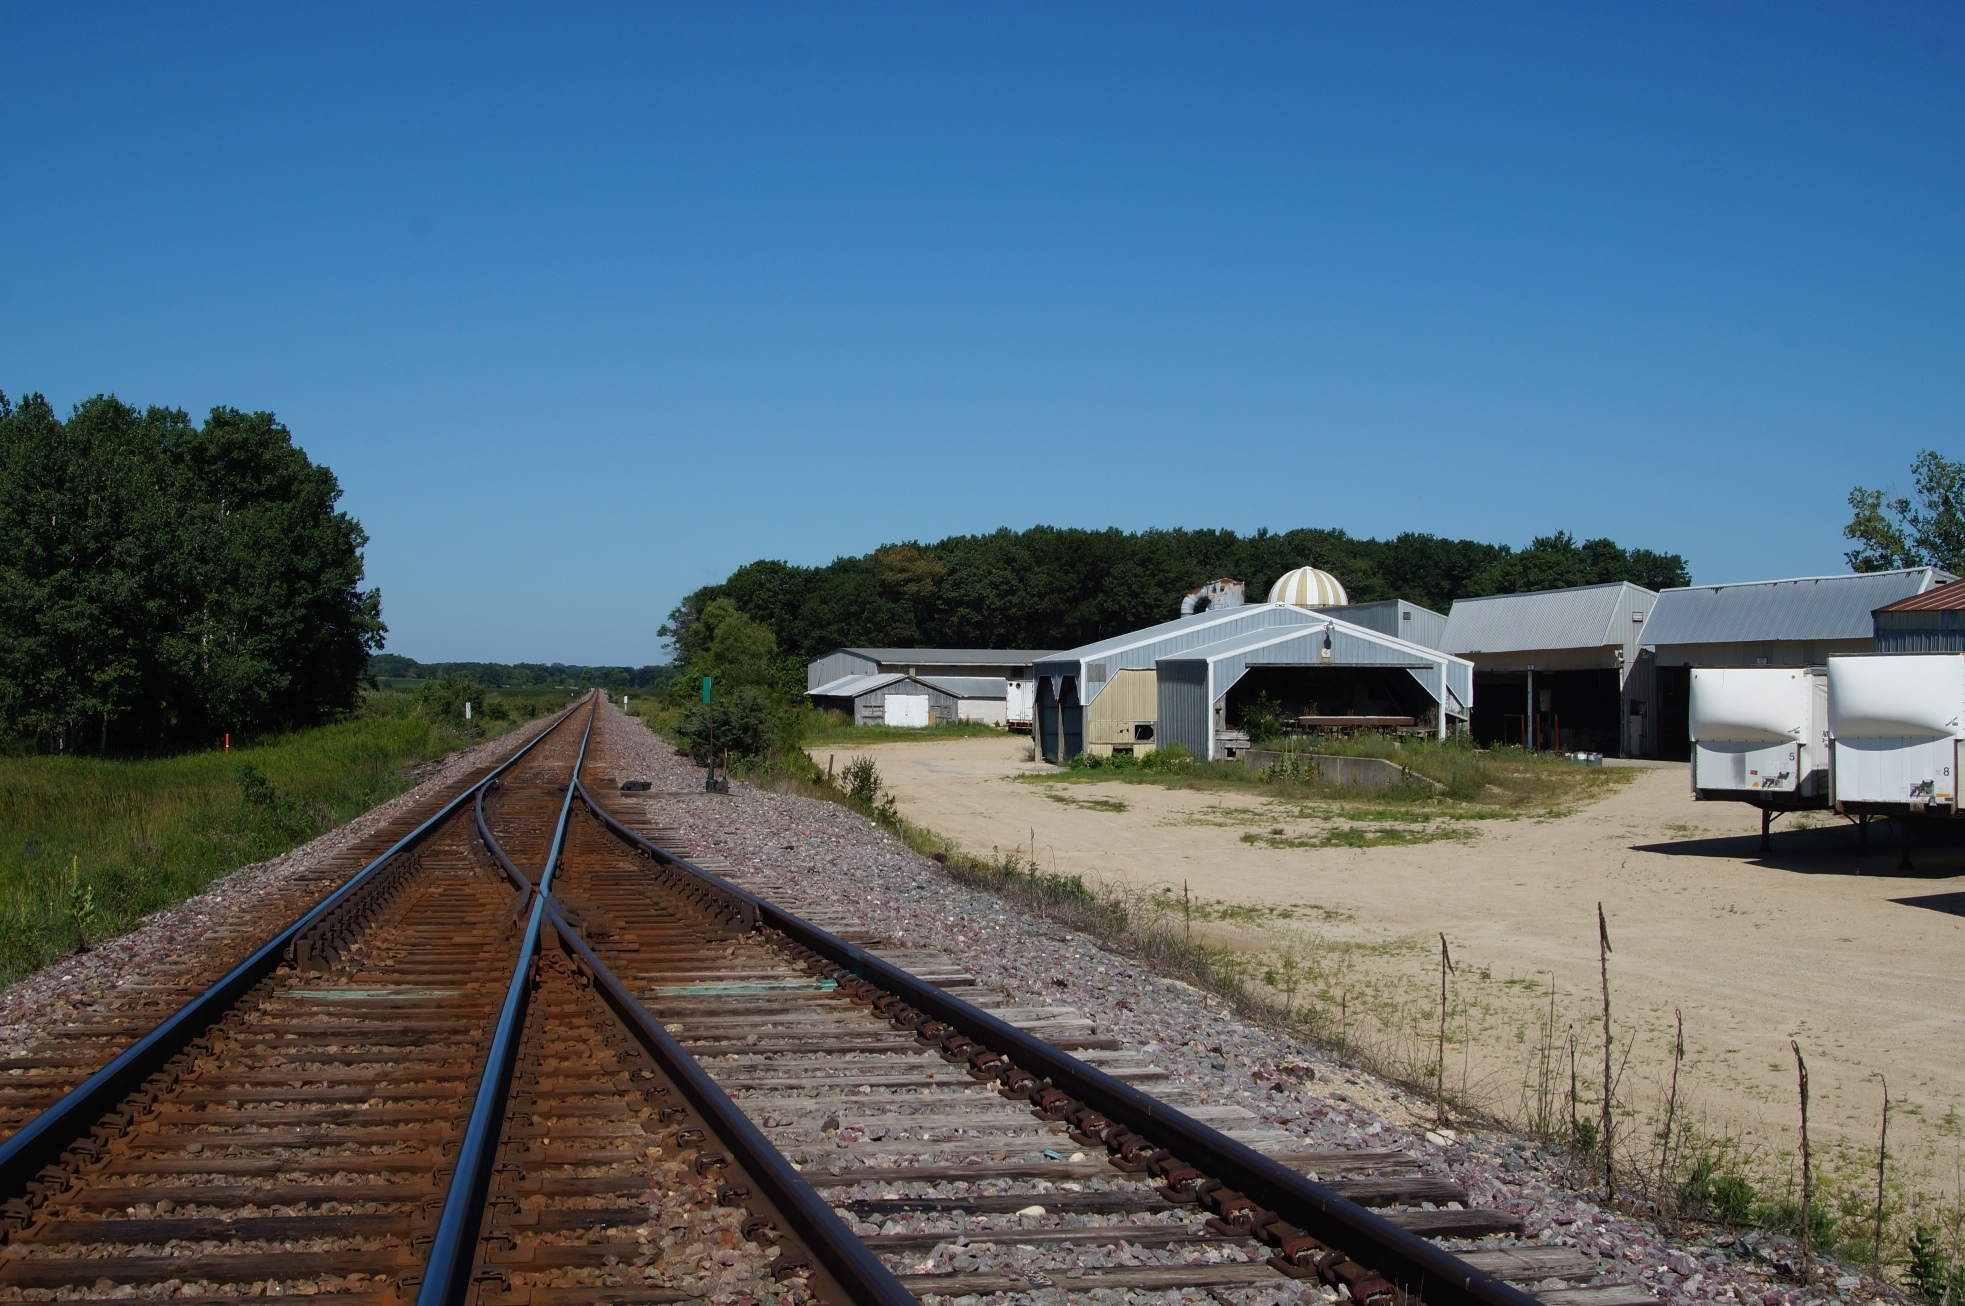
x=1820 y=942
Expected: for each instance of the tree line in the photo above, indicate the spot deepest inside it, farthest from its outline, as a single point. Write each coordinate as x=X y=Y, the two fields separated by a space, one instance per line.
x=163 y=583
x=522 y=675
x=1054 y=587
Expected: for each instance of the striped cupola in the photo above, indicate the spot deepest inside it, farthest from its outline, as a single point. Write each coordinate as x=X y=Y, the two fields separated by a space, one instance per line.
x=1307 y=587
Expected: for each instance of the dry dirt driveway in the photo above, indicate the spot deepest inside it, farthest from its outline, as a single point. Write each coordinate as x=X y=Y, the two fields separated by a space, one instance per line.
x=1820 y=942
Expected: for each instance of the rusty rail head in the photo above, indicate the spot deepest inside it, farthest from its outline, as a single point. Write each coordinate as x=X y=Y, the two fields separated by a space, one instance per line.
x=454 y=1247
x=734 y=908
x=42 y=1141
x=858 y=1275
x=1417 y=1267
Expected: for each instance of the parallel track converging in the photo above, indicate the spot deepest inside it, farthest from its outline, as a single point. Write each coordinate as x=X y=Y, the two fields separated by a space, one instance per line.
x=529 y=1054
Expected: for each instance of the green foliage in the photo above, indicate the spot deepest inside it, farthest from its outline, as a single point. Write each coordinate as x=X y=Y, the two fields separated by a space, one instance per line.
x=161 y=583
x=1928 y=532
x=90 y=845
x=744 y=721
x=443 y=699
x=1174 y=757
x=524 y=675
x=1050 y=587
x=865 y=792
x=1263 y=718
x=1931 y=1268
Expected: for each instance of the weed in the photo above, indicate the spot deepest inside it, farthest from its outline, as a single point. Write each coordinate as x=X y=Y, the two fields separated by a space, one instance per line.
x=1355 y=836
x=89 y=846
x=1089 y=804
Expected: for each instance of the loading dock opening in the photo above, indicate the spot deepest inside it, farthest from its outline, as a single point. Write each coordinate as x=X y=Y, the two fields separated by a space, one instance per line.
x=1572 y=710
x=1339 y=694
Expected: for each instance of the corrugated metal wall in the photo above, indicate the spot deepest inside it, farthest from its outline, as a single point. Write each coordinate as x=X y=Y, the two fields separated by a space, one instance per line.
x=1110 y=718
x=825 y=670
x=1942 y=631
x=1184 y=707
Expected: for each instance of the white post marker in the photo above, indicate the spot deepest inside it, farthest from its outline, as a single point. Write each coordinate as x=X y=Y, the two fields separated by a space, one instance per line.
x=467 y=709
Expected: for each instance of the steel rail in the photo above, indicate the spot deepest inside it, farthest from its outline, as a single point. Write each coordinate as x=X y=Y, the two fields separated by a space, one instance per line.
x=454 y=1248
x=1414 y=1265
x=44 y=1140
x=859 y=1274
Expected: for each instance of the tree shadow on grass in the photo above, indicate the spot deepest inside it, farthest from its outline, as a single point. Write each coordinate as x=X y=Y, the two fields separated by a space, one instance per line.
x=1937 y=850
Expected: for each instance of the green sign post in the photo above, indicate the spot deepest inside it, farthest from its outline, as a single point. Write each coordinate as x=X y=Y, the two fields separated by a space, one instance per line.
x=710 y=781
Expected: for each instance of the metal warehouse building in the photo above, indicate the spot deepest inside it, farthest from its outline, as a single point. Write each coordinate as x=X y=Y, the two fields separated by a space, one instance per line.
x=1559 y=669
x=1779 y=623
x=1185 y=681
x=1004 y=664
x=1931 y=622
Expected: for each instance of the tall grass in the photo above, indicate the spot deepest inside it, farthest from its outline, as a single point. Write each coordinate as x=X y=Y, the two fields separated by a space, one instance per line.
x=1478 y=782
x=89 y=846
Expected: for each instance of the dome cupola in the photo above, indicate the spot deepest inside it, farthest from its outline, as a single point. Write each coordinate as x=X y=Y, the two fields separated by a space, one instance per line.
x=1308 y=587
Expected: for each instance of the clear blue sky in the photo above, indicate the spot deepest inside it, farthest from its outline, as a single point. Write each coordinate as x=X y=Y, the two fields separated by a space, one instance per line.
x=587 y=306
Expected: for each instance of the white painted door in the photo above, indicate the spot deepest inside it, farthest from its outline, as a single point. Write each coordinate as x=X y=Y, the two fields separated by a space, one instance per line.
x=907 y=709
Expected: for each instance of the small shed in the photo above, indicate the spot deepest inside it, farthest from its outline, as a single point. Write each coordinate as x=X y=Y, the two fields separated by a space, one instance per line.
x=1798 y=622
x=890 y=698
x=1560 y=669
x=1931 y=622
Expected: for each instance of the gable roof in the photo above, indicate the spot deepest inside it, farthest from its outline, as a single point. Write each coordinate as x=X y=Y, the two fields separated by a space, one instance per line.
x=1586 y=616
x=1803 y=608
x=923 y=657
x=855 y=685
x=1948 y=597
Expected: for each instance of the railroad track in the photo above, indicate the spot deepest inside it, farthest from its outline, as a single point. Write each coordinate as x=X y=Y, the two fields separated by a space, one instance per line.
x=528 y=1054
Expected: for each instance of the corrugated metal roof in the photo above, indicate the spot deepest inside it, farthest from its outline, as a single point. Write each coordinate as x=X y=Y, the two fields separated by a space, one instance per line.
x=1948 y=597
x=1588 y=616
x=1806 y=607
x=1093 y=665
x=854 y=686
x=968 y=686
x=953 y=656
x=1352 y=645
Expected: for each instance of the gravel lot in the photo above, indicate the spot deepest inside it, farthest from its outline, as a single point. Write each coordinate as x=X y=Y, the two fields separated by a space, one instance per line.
x=805 y=850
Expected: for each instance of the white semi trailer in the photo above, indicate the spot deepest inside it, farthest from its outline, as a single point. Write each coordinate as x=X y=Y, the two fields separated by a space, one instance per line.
x=1760 y=735
x=1897 y=719
x=1020 y=701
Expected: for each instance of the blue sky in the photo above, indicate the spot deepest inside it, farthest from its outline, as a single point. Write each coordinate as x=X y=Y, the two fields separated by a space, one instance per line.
x=587 y=306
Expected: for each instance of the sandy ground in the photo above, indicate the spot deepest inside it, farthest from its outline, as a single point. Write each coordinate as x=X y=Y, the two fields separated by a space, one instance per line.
x=1864 y=965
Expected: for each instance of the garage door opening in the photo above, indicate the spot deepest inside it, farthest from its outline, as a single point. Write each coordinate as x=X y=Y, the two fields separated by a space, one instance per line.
x=1298 y=700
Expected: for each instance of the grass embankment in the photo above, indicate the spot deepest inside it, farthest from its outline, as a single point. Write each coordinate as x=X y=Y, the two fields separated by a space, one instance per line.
x=89 y=846
x=1301 y=809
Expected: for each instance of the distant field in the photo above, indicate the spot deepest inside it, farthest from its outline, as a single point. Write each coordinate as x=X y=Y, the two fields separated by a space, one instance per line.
x=89 y=846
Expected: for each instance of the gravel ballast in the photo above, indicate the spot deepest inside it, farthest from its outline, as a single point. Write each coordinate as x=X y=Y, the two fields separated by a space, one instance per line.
x=803 y=850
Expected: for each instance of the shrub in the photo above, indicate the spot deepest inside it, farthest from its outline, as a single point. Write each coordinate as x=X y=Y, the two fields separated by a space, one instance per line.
x=744 y=722
x=443 y=699
x=1931 y=1270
